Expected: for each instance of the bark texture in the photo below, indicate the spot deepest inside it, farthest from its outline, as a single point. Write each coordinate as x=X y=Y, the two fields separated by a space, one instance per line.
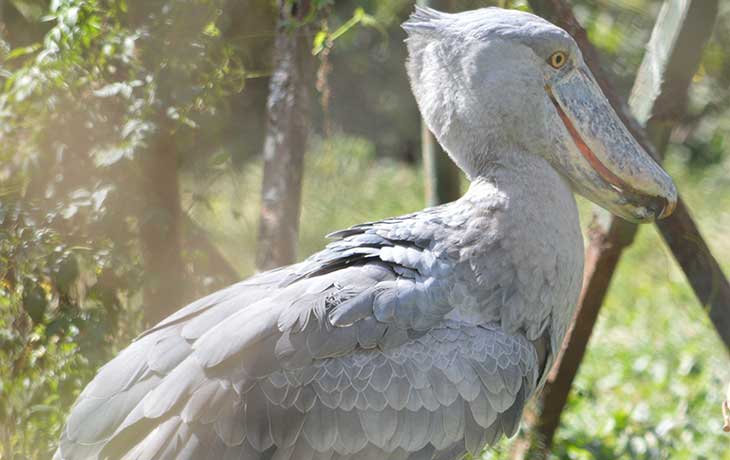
x=286 y=139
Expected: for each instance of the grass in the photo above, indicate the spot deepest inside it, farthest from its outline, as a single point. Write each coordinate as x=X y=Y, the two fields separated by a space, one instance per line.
x=654 y=376
x=653 y=381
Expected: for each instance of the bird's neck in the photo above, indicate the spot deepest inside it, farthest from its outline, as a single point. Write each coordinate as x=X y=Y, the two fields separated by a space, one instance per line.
x=524 y=179
x=538 y=226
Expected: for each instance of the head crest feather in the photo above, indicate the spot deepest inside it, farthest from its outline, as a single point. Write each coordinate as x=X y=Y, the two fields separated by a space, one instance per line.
x=423 y=20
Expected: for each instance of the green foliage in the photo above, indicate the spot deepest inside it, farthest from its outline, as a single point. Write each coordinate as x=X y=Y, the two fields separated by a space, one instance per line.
x=323 y=38
x=654 y=379
x=56 y=301
x=80 y=111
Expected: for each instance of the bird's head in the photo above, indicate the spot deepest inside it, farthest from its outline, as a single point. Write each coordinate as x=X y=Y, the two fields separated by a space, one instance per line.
x=491 y=82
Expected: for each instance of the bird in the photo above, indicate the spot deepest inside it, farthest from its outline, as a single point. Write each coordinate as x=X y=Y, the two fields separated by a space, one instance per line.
x=413 y=337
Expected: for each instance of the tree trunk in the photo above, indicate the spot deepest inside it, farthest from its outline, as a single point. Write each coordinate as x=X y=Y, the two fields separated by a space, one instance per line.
x=160 y=230
x=286 y=139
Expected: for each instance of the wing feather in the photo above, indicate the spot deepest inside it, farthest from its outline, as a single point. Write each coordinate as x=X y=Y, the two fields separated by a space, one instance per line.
x=347 y=352
x=258 y=420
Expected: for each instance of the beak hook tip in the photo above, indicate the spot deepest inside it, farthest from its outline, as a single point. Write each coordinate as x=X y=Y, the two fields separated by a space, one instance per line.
x=668 y=209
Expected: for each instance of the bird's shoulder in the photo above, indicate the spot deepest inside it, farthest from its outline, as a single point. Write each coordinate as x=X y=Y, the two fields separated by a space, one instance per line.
x=408 y=244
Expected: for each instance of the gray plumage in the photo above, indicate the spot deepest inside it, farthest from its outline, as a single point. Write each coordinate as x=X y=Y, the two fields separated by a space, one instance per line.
x=415 y=337
x=319 y=359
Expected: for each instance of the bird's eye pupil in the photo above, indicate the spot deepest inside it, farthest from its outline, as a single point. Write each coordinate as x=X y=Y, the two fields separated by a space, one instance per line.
x=557 y=59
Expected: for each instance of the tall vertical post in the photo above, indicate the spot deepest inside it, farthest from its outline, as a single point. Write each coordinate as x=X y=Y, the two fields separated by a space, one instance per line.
x=442 y=178
x=286 y=138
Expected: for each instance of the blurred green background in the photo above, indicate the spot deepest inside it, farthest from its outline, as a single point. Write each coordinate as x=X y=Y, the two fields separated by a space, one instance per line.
x=100 y=98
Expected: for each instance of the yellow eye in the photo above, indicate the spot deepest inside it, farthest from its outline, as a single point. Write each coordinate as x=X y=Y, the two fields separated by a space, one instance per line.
x=558 y=59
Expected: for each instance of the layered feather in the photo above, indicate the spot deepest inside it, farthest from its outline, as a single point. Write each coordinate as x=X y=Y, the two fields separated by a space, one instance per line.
x=367 y=349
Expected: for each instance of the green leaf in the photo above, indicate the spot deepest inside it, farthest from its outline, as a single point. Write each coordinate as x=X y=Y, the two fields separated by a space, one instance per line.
x=318 y=42
x=211 y=30
x=23 y=51
x=358 y=17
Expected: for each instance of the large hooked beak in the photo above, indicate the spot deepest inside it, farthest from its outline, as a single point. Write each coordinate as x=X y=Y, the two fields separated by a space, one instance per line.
x=606 y=164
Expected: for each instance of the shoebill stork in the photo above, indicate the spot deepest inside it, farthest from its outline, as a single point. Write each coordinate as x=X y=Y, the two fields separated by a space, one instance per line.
x=412 y=337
